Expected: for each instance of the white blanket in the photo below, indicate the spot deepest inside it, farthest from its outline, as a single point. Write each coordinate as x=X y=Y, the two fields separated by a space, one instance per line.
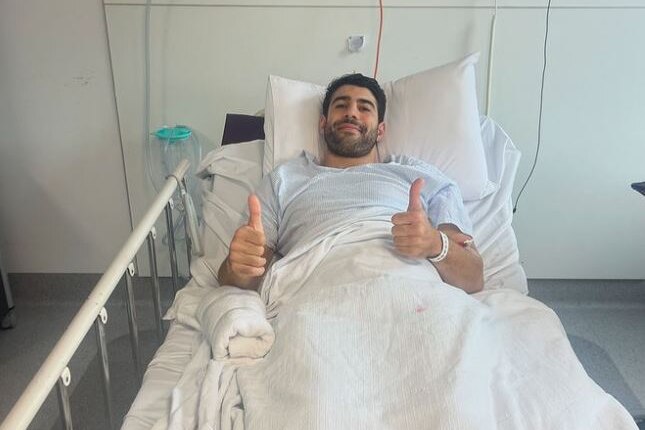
x=234 y=332
x=368 y=339
x=234 y=322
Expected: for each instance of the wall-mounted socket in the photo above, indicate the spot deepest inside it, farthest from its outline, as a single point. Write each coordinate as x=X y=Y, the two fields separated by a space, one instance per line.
x=355 y=43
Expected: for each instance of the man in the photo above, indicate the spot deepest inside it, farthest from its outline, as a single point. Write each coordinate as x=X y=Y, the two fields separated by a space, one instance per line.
x=304 y=198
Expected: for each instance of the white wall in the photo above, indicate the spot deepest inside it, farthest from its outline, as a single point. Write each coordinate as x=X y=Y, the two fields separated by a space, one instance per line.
x=62 y=188
x=577 y=219
x=61 y=175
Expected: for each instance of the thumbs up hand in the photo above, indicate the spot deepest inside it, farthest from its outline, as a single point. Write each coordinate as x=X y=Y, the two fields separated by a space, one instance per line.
x=413 y=234
x=246 y=254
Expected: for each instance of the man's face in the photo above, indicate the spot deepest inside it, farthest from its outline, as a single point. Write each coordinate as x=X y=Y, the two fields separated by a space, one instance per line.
x=351 y=128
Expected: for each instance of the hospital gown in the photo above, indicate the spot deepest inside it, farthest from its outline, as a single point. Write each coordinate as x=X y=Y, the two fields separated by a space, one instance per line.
x=302 y=200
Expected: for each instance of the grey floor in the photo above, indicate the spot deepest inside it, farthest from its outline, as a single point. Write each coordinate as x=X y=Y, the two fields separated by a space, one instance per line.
x=605 y=322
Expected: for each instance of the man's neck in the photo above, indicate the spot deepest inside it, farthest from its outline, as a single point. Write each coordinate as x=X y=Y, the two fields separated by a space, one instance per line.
x=339 y=162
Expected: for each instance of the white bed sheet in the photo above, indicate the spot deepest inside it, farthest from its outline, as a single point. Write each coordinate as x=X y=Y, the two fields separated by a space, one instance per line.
x=163 y=373
x=492 y=216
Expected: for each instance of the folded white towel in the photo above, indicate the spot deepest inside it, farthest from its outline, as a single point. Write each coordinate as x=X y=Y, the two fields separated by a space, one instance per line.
x=234 y=322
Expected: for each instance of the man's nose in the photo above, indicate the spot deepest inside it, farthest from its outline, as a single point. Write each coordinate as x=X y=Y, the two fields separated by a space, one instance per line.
x=352 y=111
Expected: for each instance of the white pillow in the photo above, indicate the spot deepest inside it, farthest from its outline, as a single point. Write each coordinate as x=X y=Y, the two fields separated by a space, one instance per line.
x=291 y=116
x=228 y=174
x=432 y=115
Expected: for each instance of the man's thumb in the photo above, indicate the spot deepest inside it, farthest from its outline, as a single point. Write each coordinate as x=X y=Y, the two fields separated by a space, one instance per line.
x=415 y=195
x=255 y=213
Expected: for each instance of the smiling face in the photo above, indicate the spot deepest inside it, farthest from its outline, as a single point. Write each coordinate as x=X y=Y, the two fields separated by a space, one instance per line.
x=351 y=127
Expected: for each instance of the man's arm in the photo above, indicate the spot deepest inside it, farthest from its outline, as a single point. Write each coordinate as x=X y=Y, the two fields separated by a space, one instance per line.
x=414 y=236
x=463 y=267
x=248 y=256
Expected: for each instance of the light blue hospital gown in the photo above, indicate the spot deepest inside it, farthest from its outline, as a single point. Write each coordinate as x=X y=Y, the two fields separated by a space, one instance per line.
x=302 y=200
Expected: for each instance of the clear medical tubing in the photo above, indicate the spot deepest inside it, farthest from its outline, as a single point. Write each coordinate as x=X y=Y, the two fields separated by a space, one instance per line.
x=491 y=48
x=192 y=223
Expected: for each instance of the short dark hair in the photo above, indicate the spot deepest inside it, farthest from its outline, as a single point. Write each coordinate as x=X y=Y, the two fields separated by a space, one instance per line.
x=357 y=80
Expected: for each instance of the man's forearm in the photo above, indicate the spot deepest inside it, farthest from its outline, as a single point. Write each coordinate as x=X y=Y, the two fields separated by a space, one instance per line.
x=462 y=268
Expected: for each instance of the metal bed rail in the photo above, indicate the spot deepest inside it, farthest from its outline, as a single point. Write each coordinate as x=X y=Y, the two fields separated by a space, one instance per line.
x=54 y=370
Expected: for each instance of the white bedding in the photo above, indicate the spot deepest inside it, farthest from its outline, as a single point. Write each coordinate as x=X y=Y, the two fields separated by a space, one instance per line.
x=388 y=345
x=214 y=331
x=375 y=346
x=391 y=346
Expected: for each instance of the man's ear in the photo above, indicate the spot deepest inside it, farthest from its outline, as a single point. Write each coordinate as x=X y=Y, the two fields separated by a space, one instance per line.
x=380 y=131
x=322 y=123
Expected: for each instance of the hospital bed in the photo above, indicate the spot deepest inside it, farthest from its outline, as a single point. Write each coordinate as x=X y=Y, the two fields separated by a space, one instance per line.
x=342 y=356
x=164 y=400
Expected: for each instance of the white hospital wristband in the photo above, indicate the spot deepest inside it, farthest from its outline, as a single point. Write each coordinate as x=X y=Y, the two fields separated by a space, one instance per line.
x=445 y=244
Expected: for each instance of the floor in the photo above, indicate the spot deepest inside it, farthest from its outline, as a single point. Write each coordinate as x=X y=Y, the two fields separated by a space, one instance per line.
x=605 y=322
x=41 y=318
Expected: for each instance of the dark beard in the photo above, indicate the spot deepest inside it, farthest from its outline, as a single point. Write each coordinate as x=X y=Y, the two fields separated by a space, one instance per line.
x=348 y=146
